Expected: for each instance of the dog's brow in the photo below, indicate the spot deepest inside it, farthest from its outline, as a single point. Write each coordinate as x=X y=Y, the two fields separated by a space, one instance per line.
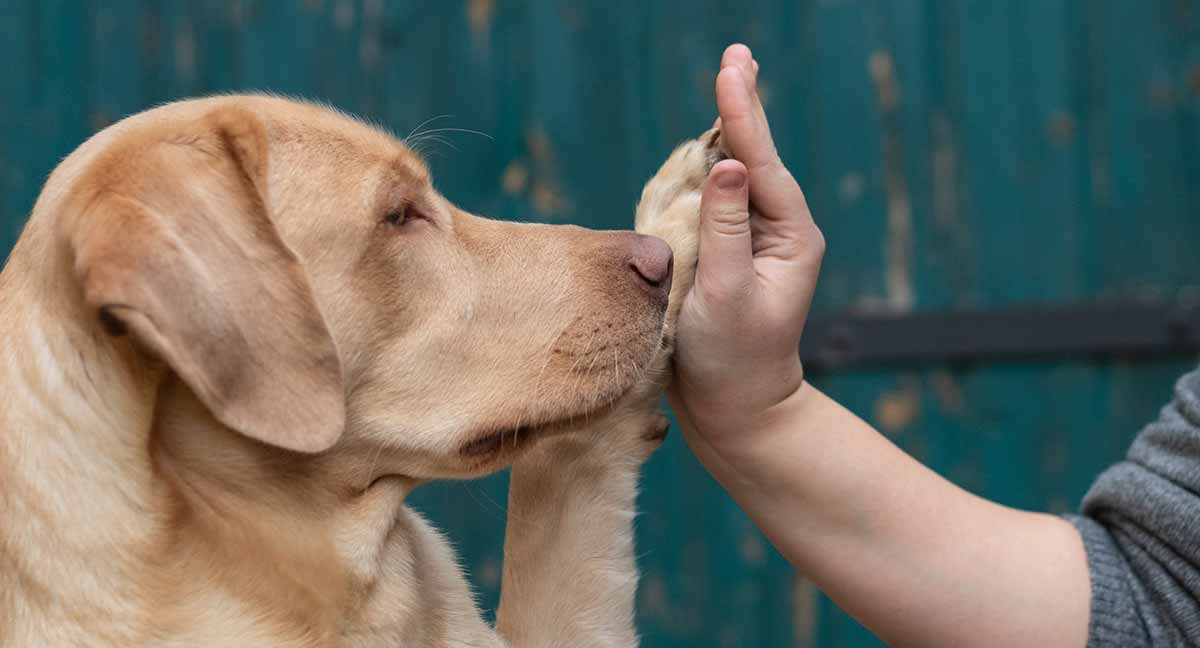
x=411 y=167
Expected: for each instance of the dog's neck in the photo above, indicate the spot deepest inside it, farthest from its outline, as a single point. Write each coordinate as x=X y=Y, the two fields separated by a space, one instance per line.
x=109 y=465
x=71 y=467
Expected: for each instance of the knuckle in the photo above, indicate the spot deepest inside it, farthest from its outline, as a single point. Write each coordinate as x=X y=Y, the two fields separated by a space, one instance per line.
x=816 y=242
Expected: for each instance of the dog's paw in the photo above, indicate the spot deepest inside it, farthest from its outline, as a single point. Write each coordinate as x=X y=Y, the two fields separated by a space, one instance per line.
x=681 y=178
x=670 y=208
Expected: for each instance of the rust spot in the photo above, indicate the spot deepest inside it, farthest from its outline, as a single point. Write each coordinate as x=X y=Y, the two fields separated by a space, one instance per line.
x=370 y=44
x=538 y=143
x=654 y=603
x=883 y=73
x=99 y=119
x=479 y=15
x=752 y=550
x=515 y=178
x=1193 y=79
x=546 y=195
x=572 y=16
x=1061 y=128
x=764 y=92
x=489 y=573
x=965 y=475
x=1162 y=95
x=804 y=612
x=897 y=409
x=343 y=15
x=898 y=243
x=850 y=187
x=546 y=198
x=947 y=391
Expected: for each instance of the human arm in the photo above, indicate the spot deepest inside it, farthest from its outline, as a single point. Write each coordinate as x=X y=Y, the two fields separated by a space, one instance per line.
x=913 y=557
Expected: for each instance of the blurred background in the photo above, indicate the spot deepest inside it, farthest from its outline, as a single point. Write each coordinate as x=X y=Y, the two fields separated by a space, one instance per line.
x=958 y=154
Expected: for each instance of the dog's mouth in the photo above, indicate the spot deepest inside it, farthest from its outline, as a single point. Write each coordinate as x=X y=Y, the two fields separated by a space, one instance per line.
x=505 y=441
x=490 y=444
x=508 y=440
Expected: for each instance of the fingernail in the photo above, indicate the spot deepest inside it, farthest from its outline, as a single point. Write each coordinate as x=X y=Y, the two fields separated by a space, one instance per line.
x=731 y=180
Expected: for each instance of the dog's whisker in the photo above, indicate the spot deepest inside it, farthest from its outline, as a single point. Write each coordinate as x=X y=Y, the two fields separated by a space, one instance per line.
x=416 y=130
x=426 y=137
x=371 y=468
x=459 y=130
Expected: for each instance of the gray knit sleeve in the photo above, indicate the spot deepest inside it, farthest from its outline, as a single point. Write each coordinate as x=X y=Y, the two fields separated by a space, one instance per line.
x=1140 y=524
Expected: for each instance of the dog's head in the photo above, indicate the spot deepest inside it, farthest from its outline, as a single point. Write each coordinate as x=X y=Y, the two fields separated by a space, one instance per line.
x=298 y=271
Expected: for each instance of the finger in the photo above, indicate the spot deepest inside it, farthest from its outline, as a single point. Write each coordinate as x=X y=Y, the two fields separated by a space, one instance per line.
x=739 y=55
x=726 y=264
x=773 y=189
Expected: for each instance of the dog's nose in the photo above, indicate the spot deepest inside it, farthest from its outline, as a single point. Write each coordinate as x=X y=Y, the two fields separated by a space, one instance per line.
x=652 y=262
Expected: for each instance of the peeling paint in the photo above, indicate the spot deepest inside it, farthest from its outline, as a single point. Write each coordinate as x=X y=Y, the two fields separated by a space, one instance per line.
x=850 y=188
x=572 y=15
x=546 y=198
x=237 y=13
x=370 y=43
x=185 y=53
x=653 y=601
x=765 y=92
x=546 y=194
x=1161 y=95
x=752 y=549
x=515 y=178
x=898 y=242
x=804 y=612
x=480 y=14
x=965 y=475
x=948 y=392
x=490 y=572
x=954 y=237
x=1056 y=459
x=883 y=73
x=899 y=408
x=343 y=15
x=1060 y=128
x=1101 y=180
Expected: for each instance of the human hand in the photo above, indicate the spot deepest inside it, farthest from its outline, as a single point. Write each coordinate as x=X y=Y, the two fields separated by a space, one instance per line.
x=760 y=252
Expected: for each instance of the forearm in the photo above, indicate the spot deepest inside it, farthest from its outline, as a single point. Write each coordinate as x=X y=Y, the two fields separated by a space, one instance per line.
x=916 y=559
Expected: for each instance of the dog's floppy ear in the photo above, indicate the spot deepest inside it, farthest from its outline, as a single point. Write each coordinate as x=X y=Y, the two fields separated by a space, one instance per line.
x=176 y=246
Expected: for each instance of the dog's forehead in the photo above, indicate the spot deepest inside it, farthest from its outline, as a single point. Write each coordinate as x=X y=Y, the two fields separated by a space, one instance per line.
x=326 y=127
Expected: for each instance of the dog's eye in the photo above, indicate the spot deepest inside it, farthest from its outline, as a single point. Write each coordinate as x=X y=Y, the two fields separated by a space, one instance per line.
x=402 y=216
x=397 y=217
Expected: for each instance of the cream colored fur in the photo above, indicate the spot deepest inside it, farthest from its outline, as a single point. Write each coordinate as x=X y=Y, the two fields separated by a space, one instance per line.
x=225 y=367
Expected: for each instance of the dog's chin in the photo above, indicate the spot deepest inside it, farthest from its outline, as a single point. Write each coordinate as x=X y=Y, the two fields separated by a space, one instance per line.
x=494 y=448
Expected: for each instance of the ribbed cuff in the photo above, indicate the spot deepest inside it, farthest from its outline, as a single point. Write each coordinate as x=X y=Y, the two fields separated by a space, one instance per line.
x=1113 y=620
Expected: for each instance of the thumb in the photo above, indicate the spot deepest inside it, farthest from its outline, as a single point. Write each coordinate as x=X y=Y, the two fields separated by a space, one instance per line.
x=726 y=264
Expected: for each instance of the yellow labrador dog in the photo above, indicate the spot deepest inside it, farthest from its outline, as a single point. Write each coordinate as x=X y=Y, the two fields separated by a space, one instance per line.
x=238 y=331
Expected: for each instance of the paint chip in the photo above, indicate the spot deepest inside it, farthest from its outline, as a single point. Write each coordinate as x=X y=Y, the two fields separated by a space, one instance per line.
x=883 y=73
x=850 y=188
x=515 y=178
x=752 y=550
x=1061 y=128
x=480 y=14
x=897 y=409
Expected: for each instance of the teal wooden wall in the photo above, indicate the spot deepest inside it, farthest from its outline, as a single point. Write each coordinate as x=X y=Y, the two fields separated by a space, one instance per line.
x=972 y=152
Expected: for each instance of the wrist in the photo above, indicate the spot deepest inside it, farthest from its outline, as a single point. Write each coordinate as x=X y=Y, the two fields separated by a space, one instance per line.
x=744 y=437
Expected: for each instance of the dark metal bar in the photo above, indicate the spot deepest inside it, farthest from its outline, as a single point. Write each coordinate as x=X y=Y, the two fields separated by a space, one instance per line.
x=1053 y=331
